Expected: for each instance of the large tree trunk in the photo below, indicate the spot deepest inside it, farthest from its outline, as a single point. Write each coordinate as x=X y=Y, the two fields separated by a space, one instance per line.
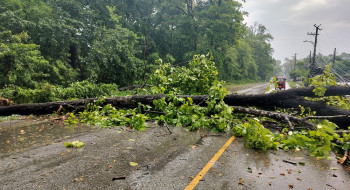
x=282 y=99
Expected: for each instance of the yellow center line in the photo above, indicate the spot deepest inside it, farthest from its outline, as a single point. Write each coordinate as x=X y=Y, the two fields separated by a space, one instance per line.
x=206 y=168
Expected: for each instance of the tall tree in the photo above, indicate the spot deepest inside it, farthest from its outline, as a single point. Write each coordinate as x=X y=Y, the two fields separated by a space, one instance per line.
x=112 y=58
x=259 y=40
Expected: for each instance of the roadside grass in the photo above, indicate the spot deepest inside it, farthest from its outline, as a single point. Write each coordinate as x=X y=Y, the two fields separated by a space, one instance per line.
x=9 y=118
x=241 y=85
x=297 y=84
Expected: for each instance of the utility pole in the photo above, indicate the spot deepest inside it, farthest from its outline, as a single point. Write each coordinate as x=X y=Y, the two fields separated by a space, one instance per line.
x=295 y=63
x=295 y=60
x=312 y=67
x=310 y=58
x=335 y=51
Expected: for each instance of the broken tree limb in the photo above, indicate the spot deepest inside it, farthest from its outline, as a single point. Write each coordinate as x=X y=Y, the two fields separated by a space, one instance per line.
x=292 y=99
x=283 y=99
x=276 y=116
x=328 y=117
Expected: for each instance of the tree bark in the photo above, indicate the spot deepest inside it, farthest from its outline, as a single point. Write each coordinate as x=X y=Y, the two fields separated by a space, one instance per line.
x=282 y=99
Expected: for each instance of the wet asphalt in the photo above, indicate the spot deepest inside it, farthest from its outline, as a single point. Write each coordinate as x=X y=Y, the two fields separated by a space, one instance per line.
x=164 y=161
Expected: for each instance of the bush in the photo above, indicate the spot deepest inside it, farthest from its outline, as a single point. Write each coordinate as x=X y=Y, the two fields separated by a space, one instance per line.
x=48 y=92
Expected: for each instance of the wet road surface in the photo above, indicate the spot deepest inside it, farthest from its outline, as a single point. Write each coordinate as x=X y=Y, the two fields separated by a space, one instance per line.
x=164 y=161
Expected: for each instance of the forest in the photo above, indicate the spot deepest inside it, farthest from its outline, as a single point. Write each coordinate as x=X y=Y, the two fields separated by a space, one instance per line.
x=46 y=43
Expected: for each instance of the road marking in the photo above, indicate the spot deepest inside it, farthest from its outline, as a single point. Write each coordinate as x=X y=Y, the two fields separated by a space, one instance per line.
x=206 y=168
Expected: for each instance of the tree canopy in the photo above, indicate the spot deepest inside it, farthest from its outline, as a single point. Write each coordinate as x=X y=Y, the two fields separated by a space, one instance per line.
x=118 y=41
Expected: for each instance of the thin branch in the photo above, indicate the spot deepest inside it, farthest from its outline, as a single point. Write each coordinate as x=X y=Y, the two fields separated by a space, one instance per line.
x=344 y=158
x=275 y=115
x=327 y=117
x=168 y=129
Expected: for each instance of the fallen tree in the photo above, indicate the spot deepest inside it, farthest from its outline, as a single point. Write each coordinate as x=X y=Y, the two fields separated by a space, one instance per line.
x=282 y=99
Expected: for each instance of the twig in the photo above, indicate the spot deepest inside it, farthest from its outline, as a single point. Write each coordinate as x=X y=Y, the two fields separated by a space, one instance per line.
x=289 y=162
x=342 y=131
x=289 y=123
x=118 y=178
x=330 y=186
x=344 y=158
x=168 y=129
x=275 y=115
x=327 y=117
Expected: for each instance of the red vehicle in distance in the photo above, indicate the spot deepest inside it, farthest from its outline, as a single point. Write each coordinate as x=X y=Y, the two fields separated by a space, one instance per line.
x=281 y=81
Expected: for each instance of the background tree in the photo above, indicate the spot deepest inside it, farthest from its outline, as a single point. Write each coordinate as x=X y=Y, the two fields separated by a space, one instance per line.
x=80 y=40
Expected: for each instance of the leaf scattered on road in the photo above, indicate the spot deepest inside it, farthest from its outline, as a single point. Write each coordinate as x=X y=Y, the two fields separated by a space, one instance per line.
x=74 y=144
x=249 y=170
x=241 y=181
x=22 y=132
x=133 y=163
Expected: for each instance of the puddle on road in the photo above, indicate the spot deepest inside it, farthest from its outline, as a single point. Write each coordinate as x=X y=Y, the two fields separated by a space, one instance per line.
x=19 y=135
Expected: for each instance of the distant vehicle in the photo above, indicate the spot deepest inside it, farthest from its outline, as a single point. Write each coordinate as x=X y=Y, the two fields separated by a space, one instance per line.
x=281 y=81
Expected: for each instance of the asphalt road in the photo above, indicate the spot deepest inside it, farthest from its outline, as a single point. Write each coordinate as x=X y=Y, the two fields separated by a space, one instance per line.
x=164 y=161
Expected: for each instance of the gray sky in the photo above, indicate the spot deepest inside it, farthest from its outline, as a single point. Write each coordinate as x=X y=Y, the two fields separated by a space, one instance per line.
x=289 y=21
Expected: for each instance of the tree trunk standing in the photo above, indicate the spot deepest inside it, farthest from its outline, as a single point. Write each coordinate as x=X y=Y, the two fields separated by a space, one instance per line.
x=145 y=49
x=282 y=99
x=190 y=12
x=219 y=3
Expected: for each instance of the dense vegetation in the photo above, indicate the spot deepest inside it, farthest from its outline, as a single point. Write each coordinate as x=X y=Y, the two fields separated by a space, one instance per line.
x=215 y=115
x=118 y=41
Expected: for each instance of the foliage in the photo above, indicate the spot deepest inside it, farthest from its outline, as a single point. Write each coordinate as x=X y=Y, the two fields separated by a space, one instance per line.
x=79 y=40
x=179 y=111
x=256 y=136
x=74 y=144
x=46 y=92
x=259 y=39
x=9 y=118
x=21 y=63
x=108 y=116
x=112 y=58
x=323 y=80
x=318 y=142
x=197 y=78
x=319 y=83
x=296 y=73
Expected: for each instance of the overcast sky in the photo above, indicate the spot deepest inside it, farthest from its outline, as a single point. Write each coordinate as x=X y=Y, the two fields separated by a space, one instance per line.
x=289 y=21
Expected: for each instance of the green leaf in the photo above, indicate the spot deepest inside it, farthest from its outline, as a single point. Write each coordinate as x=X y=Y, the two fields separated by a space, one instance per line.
x=68 y=144
x=346 y=146
x=74 y=144
x=249 y=170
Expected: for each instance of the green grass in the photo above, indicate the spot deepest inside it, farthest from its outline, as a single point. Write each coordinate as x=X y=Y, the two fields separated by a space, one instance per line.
x=293 y=84
x=8 y=118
